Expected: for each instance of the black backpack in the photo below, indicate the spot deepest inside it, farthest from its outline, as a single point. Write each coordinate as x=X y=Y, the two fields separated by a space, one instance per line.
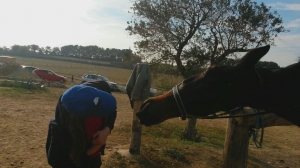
x=59 y=141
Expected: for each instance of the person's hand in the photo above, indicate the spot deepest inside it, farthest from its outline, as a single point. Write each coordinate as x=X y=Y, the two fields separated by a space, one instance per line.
x=93 y=149
x=99 y=139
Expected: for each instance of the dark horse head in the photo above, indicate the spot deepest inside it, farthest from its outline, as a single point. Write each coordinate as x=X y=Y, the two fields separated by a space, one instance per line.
x=223 y=88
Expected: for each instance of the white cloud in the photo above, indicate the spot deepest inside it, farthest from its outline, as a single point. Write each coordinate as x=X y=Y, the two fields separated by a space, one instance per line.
x=286 y=52
x=284 y=6
x=282 y=56
x=288 y=41
x=293 y=24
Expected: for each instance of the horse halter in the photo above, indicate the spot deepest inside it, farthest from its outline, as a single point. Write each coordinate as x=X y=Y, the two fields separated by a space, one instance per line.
x=185 y=115
x=179 y=102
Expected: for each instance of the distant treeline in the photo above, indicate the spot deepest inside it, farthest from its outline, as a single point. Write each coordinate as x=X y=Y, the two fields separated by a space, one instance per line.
x=77 y=51
x=259 y=64
x=122 y=58
x=119 y=58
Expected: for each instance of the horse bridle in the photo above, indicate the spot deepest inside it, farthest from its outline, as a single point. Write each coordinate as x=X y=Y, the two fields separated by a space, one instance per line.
x=179 y=102
x=185 y=115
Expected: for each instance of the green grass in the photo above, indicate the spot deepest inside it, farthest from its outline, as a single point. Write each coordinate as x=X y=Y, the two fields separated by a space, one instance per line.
x=162 y=144
x=170 y=131
x=174 y=153
x=165 y=147
x=12 y=88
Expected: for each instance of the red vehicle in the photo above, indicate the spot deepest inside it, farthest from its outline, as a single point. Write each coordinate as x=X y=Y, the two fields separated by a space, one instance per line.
x=49 y=75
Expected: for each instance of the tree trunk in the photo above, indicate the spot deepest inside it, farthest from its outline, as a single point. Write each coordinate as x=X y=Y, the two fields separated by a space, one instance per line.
x=190 y=131
x=136 y=130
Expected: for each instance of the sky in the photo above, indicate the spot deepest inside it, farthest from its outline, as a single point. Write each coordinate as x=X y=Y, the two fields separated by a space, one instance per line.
x=56 y=23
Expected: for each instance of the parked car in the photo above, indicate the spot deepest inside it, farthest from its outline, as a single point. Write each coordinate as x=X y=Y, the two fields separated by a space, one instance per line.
x=94 y=77
x=29 y=68
x=49 y=75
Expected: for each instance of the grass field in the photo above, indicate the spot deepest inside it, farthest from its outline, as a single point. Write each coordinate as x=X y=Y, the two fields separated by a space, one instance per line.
x=117 y=75
x=24 y=118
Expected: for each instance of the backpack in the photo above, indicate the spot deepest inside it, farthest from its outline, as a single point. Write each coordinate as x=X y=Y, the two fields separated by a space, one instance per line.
x=58 y=147
x=59 y=141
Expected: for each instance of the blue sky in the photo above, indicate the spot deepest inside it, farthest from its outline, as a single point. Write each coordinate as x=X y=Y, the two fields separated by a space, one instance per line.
x=287 y=49
x=56 y=23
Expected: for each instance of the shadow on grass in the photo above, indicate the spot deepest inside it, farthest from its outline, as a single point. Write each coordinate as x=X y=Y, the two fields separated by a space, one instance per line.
x=136 y=159
x=260 y=163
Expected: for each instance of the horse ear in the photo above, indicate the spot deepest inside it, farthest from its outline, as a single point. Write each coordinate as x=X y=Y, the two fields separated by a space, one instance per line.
x=253 y=56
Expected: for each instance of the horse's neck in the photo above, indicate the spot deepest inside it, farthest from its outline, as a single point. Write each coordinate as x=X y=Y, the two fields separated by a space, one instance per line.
x=282 y=87
x=281 y=93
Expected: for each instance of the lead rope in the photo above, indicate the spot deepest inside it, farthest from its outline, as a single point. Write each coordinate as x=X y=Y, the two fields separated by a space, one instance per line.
x=255 y=132
x=258 y=123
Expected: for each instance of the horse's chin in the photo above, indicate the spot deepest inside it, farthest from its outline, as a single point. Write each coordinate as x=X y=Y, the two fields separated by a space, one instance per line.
x=157 y=110
x=149 y=115
x=147 y=119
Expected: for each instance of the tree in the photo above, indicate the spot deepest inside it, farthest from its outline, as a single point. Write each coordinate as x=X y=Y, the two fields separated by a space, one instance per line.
x=34 y=48
x=20 y=49
x=24 y=50
x=15 y=48
x=55 y=51
x=200 y=32
x=267 y=64
x=41 y=50
x=259 y=64
x=5 y=48
x=68 y=50
x=47 y=50
x=166 y=27
x=130 y=57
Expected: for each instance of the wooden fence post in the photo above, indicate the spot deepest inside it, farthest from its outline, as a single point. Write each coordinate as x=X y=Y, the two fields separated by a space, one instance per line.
x=237 y=136
x=236 y=145
x=136 y=130
x=138 y=89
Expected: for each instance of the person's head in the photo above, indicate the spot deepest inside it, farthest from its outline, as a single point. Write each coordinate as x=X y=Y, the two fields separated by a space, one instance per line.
x=87 y=101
